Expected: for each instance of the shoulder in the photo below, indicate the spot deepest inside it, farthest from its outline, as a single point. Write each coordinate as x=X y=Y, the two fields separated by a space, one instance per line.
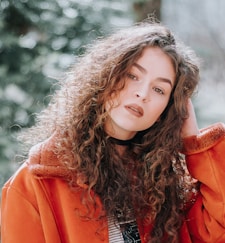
x=42 y=155
x=43 y=161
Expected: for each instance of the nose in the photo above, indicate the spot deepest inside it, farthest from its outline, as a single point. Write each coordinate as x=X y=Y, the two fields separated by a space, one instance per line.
x=143 y=94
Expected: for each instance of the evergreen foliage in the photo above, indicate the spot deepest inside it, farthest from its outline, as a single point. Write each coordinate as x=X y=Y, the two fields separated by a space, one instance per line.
x=38 y=40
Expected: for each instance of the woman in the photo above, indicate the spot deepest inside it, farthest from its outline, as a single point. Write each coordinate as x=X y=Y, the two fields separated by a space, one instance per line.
x=109 y=165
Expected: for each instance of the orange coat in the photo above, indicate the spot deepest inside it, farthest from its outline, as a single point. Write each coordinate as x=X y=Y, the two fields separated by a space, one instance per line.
x=38 y=206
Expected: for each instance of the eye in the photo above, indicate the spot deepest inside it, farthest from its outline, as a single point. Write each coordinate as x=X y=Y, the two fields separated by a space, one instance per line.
x=132 y=76
x=159 y=90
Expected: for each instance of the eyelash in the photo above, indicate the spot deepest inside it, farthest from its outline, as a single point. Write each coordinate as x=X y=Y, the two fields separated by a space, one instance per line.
x=135 y=78
x=132 y=76
x=158 y=90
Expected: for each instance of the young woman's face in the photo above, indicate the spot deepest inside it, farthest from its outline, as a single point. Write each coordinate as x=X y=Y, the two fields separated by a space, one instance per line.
x=148 y=85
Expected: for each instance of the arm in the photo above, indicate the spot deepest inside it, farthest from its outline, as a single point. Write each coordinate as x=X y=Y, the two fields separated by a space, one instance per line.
x=205 y=158
x=20 y=219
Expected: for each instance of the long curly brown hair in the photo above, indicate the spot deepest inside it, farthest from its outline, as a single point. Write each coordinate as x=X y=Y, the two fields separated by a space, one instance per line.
x=147 y=177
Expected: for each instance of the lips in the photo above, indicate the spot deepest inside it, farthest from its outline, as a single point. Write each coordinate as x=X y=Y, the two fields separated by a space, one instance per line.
x=135 y=110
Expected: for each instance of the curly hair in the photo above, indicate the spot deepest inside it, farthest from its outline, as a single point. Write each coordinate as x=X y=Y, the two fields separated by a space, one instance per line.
x=147 y=177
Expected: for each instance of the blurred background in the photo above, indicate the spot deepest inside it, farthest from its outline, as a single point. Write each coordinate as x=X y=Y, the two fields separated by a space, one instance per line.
x=40 y=39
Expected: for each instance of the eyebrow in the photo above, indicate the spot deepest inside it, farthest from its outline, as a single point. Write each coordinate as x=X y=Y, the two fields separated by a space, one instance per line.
x=143 y=70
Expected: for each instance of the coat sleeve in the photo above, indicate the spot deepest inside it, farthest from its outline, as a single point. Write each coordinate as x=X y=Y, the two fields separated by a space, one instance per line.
x=21 y=221
x=205 y=156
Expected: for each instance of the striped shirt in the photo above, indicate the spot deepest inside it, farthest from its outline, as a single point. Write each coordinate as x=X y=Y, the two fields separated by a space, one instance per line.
x=123 y=232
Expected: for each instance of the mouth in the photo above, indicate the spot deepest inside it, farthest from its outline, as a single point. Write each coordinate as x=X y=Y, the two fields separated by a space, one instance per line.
x=135 y=110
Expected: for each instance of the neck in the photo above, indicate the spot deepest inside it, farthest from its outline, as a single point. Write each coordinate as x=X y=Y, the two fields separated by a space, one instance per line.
x=121 y=142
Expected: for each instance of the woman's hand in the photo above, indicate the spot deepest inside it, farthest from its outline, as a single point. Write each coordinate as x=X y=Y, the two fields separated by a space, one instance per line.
x=190 y=126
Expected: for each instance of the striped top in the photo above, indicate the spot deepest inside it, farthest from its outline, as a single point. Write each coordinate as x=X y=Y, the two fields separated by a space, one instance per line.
x=123 y=232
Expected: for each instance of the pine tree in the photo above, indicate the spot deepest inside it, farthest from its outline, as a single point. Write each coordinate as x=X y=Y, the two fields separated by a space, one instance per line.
x=39 y=40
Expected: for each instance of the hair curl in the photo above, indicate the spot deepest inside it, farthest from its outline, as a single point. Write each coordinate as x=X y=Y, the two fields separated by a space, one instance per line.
x=76 y=113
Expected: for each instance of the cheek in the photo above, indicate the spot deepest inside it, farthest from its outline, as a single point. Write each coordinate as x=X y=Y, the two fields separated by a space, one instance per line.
x=162 y=109
x=112 y=103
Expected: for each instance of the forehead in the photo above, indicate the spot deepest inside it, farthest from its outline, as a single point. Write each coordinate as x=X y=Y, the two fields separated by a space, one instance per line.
x=155 y=61
x=154 y=52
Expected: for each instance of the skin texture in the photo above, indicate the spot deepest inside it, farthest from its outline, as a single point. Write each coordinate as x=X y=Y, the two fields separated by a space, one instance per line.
x=145 y=96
